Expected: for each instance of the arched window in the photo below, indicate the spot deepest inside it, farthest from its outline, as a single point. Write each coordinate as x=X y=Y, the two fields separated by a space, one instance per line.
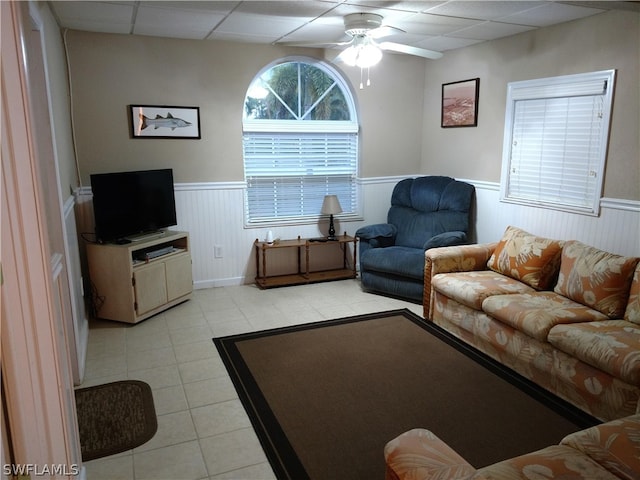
x=300 y=143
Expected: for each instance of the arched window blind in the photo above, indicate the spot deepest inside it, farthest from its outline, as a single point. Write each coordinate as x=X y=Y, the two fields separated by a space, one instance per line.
x=300 y=143
x=556 y=132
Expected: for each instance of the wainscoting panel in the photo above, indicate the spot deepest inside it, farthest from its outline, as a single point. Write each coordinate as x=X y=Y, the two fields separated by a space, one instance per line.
x=222 y=247
x=616 y=230
x=79 y=329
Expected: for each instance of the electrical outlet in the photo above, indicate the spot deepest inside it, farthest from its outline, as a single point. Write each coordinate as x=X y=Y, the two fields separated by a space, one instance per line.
x=217 y=251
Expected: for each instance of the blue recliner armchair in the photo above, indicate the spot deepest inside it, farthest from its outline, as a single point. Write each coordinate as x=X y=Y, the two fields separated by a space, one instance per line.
x=426 y=212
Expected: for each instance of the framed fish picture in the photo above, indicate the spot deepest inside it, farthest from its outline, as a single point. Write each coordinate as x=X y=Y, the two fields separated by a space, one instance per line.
x=154 y=121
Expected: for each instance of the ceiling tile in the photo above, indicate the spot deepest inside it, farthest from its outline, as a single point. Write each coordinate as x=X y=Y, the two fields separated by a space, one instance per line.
x=550 y=14
x=389 y=16
x=482 y=10
x=241 y=37
x=218 y=6
x=426 y=24
x=162 y=20
x=442 y=44
x=490 y=31
x=95 y=16
x=299 y=9
x=260 y=25
x=321 y=30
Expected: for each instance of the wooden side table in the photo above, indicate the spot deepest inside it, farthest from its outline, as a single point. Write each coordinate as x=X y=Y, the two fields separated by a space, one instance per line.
x=303 y=274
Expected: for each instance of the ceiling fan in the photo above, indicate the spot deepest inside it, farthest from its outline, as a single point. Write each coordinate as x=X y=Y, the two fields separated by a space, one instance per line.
x=363 y=49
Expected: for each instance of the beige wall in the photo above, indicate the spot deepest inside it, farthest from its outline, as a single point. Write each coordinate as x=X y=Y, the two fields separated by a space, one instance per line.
x=390 y=116
x=109 y=72
x=607 y=41
x=400 y=112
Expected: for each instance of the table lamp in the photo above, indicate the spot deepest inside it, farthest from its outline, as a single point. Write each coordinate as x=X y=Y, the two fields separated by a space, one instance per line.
x=331 y=206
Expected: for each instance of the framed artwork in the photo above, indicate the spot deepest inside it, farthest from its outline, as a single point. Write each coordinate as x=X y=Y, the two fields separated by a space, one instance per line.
x=460 y=103
x=151 y=121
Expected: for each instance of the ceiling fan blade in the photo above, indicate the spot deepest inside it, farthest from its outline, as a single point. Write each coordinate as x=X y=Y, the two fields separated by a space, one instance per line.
x=401 y=48
x=314 y=44
x=384 y=31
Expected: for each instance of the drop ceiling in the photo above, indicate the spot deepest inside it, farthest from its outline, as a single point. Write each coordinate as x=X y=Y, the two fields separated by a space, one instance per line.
x=434 y=25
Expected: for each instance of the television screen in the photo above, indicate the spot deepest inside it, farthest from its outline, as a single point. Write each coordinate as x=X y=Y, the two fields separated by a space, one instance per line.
x=131 y=203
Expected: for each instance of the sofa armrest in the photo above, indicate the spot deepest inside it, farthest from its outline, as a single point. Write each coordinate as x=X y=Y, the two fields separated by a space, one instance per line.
x=611 y=445
x=420 y=455
x=460 y=258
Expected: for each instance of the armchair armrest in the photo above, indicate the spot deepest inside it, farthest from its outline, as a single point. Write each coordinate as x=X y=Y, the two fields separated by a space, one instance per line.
x=460 y=258
x=420 y=455
x=446 y=239
x=370 y=232
x=375 y=236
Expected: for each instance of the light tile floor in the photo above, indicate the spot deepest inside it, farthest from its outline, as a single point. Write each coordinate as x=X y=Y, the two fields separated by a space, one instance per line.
x=203 y=430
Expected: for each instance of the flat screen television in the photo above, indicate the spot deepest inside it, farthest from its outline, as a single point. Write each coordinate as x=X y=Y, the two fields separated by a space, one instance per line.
x=126 y=204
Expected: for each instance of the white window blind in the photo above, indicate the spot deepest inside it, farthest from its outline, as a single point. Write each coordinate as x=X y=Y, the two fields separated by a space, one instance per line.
x=556 y=140
x=288 y=174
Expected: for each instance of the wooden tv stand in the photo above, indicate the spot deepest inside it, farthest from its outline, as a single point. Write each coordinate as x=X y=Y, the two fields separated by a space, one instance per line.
x=304 y=274
x=136 y=280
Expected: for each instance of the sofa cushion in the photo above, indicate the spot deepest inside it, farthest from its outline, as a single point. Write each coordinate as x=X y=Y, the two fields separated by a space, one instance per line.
x=632 y=313
x=556 y=461
x=536 y=313
x=471 y=288
x=615 y=445
x=610 y=346
x=528 y=258
x=595 y=278
x=402 y=261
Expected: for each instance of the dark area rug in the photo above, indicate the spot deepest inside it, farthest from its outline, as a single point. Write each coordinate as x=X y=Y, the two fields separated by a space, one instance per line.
x=325 y=398
x=114 y=417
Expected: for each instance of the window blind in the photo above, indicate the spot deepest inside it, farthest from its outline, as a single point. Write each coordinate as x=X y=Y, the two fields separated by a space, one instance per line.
x=288 y=174
x=554 y=155
x=556 y=141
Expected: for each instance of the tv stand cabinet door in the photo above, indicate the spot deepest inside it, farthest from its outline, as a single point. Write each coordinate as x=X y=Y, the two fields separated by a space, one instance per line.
x=179 y=276
x=150 y=287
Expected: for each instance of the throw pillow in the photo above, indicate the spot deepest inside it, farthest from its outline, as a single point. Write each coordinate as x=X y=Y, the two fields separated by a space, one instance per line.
x=632 y=313
x=532 y=260
x=596 y=278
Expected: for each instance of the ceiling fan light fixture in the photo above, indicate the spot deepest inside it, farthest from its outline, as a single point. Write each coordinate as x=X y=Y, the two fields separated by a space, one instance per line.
x=363 y=53
x=349 y=55
x=368 y=56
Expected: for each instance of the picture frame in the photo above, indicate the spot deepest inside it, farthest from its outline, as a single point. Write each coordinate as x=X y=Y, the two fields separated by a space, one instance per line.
x=162 y=121
x=459 y=106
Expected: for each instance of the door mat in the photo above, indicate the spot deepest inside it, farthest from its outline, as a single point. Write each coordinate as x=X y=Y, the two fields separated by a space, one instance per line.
x=114 y=417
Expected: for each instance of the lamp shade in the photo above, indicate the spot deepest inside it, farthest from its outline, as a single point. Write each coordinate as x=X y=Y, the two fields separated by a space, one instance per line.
x=331 y=205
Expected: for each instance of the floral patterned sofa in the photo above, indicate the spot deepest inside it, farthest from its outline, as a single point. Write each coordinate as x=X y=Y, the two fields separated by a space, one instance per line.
x=561 y=313
x=607 y=451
